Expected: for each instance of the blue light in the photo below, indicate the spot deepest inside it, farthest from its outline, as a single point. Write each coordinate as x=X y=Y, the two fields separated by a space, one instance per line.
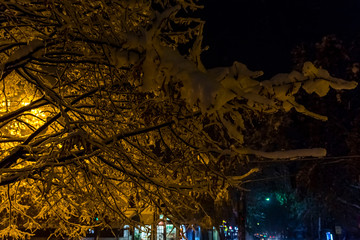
x=329 y=236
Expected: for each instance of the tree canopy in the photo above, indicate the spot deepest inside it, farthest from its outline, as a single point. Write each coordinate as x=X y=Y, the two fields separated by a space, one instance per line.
x=107 y=112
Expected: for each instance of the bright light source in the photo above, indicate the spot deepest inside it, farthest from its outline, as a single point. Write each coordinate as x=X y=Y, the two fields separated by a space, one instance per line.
x=329 y=236
x=267 y=199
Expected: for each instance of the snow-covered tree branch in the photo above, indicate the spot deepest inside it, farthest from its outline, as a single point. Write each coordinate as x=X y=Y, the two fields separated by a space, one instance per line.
x=101 y=115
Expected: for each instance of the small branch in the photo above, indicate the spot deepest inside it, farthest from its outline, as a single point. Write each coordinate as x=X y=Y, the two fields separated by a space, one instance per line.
x=35 y=104
x=10 y=206
x=181 y=139
x=20 y=150
x=349 y=204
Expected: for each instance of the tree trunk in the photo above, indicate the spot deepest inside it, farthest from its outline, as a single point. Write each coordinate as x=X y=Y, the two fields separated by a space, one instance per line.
x=241 y=215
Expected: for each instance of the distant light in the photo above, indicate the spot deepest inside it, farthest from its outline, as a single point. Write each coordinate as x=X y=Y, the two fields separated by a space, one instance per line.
x=257 y=223
x=329 y=236
x=267 y=199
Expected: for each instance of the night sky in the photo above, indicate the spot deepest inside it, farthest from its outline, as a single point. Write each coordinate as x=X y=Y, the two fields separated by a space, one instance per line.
x=262 y=33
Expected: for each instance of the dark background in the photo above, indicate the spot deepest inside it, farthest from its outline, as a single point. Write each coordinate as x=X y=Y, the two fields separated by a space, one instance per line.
x=262 y=33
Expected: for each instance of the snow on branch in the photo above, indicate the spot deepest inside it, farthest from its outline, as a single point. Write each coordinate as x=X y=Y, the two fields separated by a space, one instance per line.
x=285 y=154
x=103 y=116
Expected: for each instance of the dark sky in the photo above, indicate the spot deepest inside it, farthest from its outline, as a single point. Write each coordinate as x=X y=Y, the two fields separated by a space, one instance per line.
x=261 y=33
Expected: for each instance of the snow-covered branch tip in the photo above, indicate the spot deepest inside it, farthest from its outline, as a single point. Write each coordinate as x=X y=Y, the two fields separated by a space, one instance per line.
x=286 y=154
